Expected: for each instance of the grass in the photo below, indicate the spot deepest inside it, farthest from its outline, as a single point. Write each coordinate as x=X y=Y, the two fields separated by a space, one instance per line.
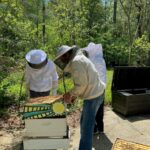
x=108 y=97
x=10 y=91
x=14 y=84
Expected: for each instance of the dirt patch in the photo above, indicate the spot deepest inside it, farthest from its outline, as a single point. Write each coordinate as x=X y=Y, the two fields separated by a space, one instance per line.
x=74 y=118
x=11 y=129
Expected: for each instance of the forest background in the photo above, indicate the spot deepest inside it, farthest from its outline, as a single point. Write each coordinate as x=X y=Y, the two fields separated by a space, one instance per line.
x=121 y=26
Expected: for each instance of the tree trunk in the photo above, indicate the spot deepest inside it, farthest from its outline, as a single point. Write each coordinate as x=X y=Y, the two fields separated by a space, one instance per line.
x=43 y=25
x=128 y=14
x=105 y=10
x=37 y=24
x=139 y=24
x=115 y=11
x=81 y=5
x=73 y=35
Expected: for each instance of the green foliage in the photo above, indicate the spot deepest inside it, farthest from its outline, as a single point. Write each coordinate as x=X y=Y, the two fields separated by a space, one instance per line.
x=71 y=22
x=141 y=51
x=5 y=100
x=13 y=33
x=67 y=85
x=115 y=51
x=10 y=89
x=79 y=22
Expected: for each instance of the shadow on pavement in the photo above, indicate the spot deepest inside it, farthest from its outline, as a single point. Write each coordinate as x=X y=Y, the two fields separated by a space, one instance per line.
x=101 y=142
x=138 y=118
x=134 y=118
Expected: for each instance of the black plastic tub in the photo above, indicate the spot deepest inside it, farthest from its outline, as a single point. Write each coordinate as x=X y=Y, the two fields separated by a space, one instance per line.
x=131 y=90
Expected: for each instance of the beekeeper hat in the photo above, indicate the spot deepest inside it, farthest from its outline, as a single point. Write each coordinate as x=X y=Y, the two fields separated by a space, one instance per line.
x=36 y=56
x=63 y=50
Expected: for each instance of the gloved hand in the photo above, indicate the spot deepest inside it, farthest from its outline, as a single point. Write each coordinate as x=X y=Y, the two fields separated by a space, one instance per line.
x=68 y=98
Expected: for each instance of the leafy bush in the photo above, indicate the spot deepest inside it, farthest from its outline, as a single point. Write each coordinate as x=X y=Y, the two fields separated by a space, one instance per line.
x=5 y=100
x=114 y=49
x=10 y=88
x=141 y=51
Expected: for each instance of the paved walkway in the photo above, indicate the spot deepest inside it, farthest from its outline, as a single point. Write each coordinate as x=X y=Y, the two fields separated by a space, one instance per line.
x=134 y=128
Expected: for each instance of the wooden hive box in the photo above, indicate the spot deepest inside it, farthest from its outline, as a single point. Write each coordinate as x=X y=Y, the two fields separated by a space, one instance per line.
x=131 y=90
x=43 y=143
x=48 y=123
x=46 y=144
x=121 y=144
x=45 y=124
x=50 y=127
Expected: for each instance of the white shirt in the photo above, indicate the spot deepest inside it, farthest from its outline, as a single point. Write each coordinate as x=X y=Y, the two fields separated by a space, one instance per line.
x=87 y=84
x=41 y=80
x=95 y=52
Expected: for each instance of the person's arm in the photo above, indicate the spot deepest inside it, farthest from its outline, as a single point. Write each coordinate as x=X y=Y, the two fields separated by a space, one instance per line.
x=80 y=78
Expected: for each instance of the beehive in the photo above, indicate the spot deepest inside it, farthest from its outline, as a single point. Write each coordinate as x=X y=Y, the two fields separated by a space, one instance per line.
x=45 y=124
x=44 y=107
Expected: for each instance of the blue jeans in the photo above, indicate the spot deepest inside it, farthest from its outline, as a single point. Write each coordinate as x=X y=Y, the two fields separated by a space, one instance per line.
x=87 y=122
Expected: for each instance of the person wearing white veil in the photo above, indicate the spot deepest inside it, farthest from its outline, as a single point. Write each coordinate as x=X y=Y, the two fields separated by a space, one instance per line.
x=40 y=74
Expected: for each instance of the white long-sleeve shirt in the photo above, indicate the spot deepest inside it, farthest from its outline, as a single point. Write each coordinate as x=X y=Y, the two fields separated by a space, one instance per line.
x=87 y=84
x=95 y=52
x=42 y=80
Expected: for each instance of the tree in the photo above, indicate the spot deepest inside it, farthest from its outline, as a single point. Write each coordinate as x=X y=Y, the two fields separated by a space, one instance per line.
x=43 y=11
x=115 y=11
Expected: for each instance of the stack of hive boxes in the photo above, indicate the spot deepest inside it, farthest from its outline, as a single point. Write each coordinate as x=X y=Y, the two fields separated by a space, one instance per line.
x=45 y=124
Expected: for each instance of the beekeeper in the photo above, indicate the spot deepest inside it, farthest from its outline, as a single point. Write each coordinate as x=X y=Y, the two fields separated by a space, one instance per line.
x=40 y=74
x=87 y=85
x=95 y=54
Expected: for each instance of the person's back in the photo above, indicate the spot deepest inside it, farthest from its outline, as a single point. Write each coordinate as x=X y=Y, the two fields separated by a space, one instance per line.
x=85 y=73
x=40 y=75
x=41 y=79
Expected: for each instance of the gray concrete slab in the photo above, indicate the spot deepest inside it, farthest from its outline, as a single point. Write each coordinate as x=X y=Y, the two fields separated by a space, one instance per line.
x=134 y=128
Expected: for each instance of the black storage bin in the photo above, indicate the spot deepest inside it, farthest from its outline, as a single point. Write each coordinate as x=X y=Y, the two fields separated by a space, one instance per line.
x=131 y=90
